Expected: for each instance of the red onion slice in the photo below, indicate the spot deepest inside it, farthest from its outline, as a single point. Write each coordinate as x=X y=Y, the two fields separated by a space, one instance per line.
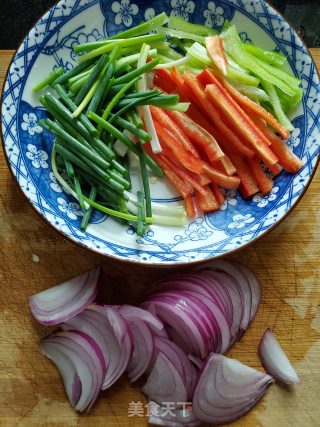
x=275 y=360
x=87 y=360
x=179 y=326
x=196 y=361
x=120 y=341
x=230 y=268
x=164 y=383
x=60 y=303
x=179 y=359
x=168 y=417
x=131 y=313
x=227 y=389
x=256 y=292
x=142 y=350
x=68 y=372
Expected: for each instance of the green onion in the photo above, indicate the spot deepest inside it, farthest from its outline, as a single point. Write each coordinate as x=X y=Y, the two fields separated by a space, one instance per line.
x=137 y=41
x=74 y=72
x=141 y=134
x=49 y=79
x=71 y=127
x=143 y=28
x=74 y=79
x=78 y=189
x=78 y=84
x=141 y=214
x=69 y=169
x=137 y=72
x=136 y=119
x=76 y=145
x=59 y=178
x=118 y=96
x=131 y=59
x=103 y=86
x=148 y=100
x=145 y=181
x=96 y=71
x=87 y=215
x=142 y=94
x=126 y=141
x=72 y=106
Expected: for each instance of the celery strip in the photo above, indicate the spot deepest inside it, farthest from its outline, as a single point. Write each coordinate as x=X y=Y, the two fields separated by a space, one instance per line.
x=255 y=93
x=180 y=24
x=270 y=56
x=143 y=28
x=181 y=34
x=199 y=52
x=235 y=75
x=276 y=105
x=233 y=46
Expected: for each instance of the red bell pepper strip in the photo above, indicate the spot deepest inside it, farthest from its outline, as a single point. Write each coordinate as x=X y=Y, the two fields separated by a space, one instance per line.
x=181 y=186
x=216 y=53
x=287 y=159
x=264 y=182
x=202 y=101
x=184 y=175
x=189 y=206
x=163 y=80
x=228 y=182
x=173 y=147
x=250 y=106
x=241 y=123
x=165 y=120
x=206 y=75
x=199 y=136
x=248 y=186
x=207 y=201
x=216 y=191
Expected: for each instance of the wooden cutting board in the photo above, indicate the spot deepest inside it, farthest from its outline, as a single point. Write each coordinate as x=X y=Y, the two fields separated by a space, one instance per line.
x=286 y=262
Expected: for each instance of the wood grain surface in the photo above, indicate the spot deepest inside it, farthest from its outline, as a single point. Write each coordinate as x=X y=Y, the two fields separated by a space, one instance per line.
x=286 y=262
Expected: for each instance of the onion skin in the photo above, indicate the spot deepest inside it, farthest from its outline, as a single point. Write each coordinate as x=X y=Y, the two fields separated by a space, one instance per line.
x=275 y=361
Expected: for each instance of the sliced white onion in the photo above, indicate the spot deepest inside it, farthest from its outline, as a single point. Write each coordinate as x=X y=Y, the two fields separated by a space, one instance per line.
x=275 y=360
x=227 y=389
x=60 y=303
x=164 y=383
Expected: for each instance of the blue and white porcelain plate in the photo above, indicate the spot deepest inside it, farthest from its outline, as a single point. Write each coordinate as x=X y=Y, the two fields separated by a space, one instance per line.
x=49 y=45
